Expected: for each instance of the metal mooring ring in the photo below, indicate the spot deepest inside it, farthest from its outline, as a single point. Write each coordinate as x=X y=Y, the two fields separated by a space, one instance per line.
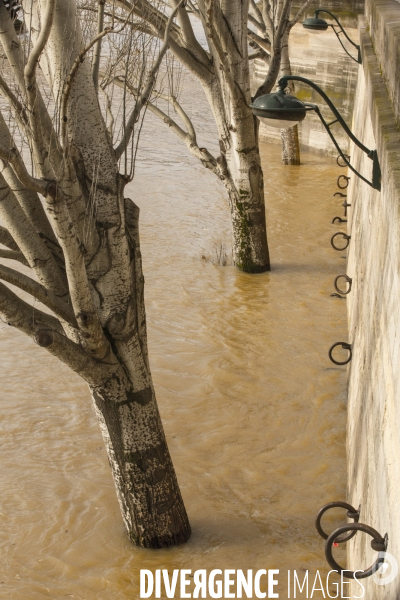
x=379 y=544
x=352 y=513
x=349 y=281
x=346 y=182
x=340 y=157
x=338 y=219
x=345 y=346
x=345 y=236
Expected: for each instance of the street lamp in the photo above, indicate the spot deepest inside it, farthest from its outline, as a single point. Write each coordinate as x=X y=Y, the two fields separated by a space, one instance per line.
x=283 y=111
x=319 y=25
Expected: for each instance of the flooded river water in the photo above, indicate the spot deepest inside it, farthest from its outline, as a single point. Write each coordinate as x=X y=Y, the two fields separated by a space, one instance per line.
x=253 y=409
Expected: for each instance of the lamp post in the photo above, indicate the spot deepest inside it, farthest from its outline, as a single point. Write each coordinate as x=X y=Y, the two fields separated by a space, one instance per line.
x=319 y=25
x=283 y=111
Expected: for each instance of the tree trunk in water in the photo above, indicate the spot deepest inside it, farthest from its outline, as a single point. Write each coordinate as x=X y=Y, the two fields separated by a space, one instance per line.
x=247 y=205
x=99 y=327
x=290 y=146
x=147 y=489
x=290 y=137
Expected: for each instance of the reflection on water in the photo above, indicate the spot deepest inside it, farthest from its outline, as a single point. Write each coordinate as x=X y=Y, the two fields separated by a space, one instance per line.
x=253 y=410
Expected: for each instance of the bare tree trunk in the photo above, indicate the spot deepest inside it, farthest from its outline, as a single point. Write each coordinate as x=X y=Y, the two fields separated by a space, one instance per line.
x=150 y=500
x=148 y=493
x=83 y=247
x=290 y=146
x=290 y=137
x=228 y=92
x=247 y=205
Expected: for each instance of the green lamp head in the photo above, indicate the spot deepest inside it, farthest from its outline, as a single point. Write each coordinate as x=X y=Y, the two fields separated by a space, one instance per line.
x=315 y=24
x=279 y=110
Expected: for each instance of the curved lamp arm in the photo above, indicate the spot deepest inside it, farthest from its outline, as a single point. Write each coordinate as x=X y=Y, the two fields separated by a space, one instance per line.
x=358 y=59
x=372 y=154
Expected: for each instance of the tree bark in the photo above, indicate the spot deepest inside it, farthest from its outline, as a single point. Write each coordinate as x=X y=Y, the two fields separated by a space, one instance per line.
x=247 y=205
x=97 y=289
x=289 y=137
x=228 y=92
x=290 y=146
x=148 y=493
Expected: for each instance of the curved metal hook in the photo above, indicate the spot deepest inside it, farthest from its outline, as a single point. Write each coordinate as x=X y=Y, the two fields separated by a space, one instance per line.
x=347 y=179
x=379 y=544
x=349 y=281
x=352 y=513
x=338 y=219
x=338 y=296
x=345 y=346
x=345 y=236
x=340 y=194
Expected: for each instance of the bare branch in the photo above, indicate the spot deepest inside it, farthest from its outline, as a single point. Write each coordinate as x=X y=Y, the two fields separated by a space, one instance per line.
x=186 y=31
x=40 y=117
x=110 y=115
x=7 y=240
x=260 y=26
x=199 y=64
x=275 y=61
x=188 y=137
x=38 y=255
x=70 y=79
x=14 y=102
x=53 y=302
x=257 y=12
x=33 y=59
x=32 y=207
x=261 y=42
x=12 y=255
x=299 y=13
x=259 y=54
x=13 y=157
x=148 y=87
x=97 y=50
x=45 y=330
x=92 y=335
x=267 y=19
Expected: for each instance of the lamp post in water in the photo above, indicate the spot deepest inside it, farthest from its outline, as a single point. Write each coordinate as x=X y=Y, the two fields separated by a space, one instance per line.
x=283 y=111
x=318 y=25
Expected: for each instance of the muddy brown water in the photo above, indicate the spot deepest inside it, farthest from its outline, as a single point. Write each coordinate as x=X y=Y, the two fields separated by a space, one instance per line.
x=253 y=410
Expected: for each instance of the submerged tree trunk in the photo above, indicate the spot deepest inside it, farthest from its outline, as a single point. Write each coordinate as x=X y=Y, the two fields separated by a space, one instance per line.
x=289 y=137
x=290 y=146
x=90 y=273
x=148 y=493
x=228 y=92
x=247 y=205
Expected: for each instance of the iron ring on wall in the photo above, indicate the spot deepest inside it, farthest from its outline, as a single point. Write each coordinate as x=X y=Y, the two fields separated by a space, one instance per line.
x=345 y=346
x=352 y=513
x=349 y=281
x=379 y=544
x=342 y=164
x=346 y=182
x=345 y=236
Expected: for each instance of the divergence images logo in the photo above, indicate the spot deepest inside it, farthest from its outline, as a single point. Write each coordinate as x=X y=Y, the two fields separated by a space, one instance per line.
x=388 y=570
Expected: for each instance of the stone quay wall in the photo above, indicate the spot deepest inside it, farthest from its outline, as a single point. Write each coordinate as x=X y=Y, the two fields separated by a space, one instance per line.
x=373 y=435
